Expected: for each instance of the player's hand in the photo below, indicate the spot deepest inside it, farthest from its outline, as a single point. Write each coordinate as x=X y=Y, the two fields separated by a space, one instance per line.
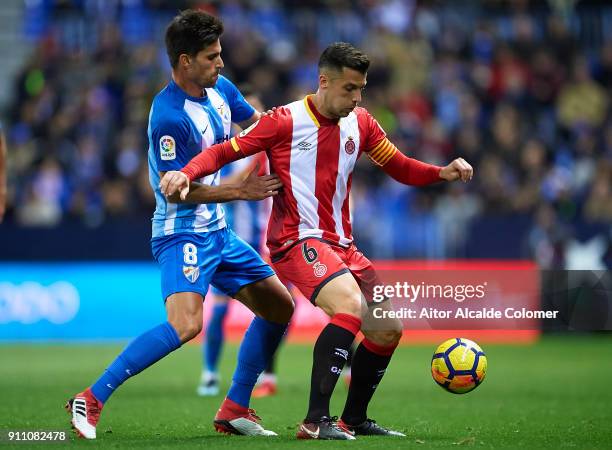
x=459 y=169
x=174 y=181
x=257 y=188
x=268 y=112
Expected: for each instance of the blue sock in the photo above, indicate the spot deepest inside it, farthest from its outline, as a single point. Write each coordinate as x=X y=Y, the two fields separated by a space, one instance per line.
x=143 y=351
x=214 y=337
x=258 y=345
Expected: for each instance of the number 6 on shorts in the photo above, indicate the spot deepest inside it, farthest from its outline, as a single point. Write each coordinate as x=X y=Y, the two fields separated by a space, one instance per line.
x=310 y=254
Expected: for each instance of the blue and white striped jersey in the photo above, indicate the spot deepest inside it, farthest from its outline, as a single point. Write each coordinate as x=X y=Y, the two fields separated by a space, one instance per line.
x=180 y=127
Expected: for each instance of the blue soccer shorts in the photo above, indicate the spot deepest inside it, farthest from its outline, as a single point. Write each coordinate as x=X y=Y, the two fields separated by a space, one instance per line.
x=189 y=262
x=253 y=245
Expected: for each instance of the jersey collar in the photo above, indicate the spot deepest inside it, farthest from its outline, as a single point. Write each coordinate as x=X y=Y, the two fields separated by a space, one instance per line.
x=319 y=119
x=184 y=94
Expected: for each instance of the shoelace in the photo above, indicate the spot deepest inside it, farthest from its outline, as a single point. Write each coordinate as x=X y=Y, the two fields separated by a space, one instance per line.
x=93 y=410
x=372 y=422
x=333 y=423
x=332 y=420
x=253 y=414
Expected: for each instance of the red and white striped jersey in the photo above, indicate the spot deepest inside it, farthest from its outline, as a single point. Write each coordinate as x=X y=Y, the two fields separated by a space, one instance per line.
x=314 y=157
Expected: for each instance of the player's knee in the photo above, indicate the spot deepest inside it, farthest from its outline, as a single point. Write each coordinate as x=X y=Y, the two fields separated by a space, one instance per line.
x=192 y=330
x=187 y=329
x=280 y=310
x=386 y=338
x=350 y=303
x=286 y=307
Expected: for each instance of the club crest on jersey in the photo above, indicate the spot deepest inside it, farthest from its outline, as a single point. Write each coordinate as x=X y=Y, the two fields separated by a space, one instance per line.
x=320 y=269
x=221 y=110
x=191 y=273
x=349 y=145
x=167 y=148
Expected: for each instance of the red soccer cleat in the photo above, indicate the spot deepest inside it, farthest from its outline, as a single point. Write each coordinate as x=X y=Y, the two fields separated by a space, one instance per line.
x=233 y=418
x=85 y=410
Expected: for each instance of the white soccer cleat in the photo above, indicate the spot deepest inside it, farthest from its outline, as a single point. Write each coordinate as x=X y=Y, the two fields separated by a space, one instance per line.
x=85 y=410
x=235 y=419
x=209 y=385
x=243 y=426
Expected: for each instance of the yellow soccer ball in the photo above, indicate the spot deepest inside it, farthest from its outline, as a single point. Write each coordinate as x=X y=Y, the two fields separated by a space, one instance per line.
x=459 y=365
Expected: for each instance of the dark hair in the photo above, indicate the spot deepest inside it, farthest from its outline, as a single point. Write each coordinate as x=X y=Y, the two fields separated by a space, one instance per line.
x=340 y=54
x=190 y=32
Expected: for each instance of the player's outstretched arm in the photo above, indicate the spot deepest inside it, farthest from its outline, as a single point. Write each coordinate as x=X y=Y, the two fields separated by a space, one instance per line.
x=178 y=189
x=206 y=163
x=255 y=139
x=413 y=172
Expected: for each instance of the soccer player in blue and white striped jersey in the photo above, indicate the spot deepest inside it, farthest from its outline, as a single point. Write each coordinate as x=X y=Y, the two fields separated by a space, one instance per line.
x=191 y=240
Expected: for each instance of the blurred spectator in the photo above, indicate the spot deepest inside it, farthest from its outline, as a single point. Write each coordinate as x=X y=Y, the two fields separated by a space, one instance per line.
x=547 y=239
x=598 y=206
x=582 y=101
x=44 y=197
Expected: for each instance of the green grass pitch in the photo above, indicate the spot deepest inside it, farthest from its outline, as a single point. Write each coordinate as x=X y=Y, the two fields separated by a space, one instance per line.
x=555 y=394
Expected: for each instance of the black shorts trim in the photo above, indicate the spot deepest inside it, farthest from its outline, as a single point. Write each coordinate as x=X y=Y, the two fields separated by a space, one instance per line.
x=325 y=281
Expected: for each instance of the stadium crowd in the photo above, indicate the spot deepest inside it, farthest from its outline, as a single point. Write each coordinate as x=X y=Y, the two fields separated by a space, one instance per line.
x=516 y=91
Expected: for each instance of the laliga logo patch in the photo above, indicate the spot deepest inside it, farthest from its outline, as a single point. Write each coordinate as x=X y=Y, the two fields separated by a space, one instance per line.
x=167 y=148
x=191 y=273
x=349 y=146
x=320 y=269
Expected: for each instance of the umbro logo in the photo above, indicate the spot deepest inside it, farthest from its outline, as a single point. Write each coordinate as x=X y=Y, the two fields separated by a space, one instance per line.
x=304 y=146
x=341 y=352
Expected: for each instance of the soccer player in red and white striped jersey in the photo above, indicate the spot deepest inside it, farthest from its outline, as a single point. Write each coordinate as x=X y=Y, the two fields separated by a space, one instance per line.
x=313 y=145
